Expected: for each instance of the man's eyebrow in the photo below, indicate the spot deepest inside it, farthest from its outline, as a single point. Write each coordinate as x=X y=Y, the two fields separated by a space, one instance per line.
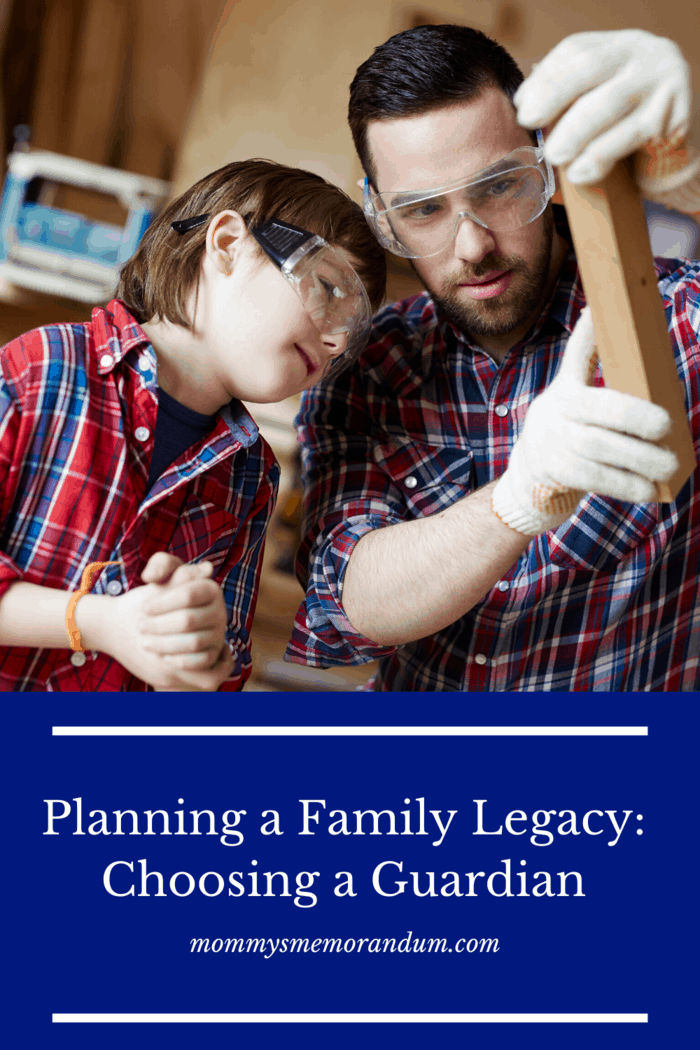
x=500 y=167
x=409 y=196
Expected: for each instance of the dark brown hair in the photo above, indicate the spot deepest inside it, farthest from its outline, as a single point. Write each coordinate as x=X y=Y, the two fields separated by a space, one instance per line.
x=425 y=68
x=157 y=280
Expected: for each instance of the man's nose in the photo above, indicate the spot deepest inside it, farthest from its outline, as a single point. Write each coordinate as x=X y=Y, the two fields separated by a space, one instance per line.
x=472 y=242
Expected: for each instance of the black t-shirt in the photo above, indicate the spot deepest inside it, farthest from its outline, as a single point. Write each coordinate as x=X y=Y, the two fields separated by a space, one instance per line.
x=177 y=429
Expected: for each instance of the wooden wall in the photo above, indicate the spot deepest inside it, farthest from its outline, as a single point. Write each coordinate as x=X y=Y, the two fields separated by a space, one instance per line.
x=109 y=81
x=276 y=81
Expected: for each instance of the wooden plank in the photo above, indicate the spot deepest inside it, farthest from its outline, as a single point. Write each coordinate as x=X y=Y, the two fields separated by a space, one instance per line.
x=610 y=235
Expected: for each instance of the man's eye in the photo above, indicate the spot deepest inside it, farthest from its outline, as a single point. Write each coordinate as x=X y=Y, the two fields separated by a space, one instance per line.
x=502 y=188
x=422 y=210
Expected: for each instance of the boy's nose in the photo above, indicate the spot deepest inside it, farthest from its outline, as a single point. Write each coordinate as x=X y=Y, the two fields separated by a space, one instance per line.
x=335 y=343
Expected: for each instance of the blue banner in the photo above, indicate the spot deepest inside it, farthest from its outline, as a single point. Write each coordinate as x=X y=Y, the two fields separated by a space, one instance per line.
x=452 y=864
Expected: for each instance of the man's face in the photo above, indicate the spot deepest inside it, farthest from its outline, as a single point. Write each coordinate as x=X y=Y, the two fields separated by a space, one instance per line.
x=491 y=285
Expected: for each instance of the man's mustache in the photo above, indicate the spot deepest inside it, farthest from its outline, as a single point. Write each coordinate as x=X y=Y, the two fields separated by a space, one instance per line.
x=488 y=265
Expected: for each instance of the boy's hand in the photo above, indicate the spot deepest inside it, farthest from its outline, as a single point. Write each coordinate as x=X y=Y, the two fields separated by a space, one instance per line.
x=170 y=634
x=184 y=618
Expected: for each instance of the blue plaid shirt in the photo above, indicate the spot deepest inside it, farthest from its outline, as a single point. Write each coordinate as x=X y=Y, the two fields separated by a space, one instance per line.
x=609 y=601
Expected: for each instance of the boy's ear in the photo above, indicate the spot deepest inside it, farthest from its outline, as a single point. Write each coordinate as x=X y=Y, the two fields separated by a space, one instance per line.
x=226 y=236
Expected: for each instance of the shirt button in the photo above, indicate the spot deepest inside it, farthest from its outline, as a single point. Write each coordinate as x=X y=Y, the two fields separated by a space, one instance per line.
x=411 y=482
x=142 y=433
x=106 y=360
x=503 y=585
x=480 y=659
x=78 y=659
x=144 y=363
x=501 y=410
x=114 y=587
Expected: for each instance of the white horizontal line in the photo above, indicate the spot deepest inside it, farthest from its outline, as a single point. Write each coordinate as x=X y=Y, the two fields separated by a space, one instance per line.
x=349 y=1018
x=350 y=730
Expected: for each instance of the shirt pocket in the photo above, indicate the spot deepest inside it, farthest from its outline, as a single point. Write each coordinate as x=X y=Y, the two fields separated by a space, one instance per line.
x=206 y=527
x=428 y=479
x=601 y=533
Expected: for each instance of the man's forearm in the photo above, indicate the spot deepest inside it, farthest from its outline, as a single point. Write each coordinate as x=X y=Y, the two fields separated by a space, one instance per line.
x=409 y=580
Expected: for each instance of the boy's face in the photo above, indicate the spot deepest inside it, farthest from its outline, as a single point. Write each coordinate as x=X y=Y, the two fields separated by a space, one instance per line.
x=490 y=284
x=262 y=341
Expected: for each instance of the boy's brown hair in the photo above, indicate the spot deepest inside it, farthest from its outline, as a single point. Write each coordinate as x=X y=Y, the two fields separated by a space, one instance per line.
x=157 y=280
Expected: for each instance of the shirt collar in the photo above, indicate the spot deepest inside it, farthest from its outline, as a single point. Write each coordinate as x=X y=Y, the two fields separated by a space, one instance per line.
x=241 y=424
x=116 y=335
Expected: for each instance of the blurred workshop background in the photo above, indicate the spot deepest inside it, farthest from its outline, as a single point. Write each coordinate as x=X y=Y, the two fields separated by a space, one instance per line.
x=172 y=89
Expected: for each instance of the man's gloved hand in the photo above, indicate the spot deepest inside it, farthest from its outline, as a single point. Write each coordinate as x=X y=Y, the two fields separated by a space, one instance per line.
x=578 y=439
x=625 y=88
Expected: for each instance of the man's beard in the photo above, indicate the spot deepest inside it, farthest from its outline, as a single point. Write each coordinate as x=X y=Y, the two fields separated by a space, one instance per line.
x=506 y=312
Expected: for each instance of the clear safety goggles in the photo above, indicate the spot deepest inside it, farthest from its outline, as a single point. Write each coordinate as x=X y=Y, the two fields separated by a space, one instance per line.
x=504 y=196
x=333 y=295
x=331 y=292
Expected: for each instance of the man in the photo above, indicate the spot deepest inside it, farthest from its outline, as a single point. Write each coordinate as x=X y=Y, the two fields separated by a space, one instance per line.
x=468 y=532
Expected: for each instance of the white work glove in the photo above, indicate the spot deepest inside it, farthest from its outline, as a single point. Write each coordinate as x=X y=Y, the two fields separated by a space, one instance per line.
x=578 y=439
x=628 y=88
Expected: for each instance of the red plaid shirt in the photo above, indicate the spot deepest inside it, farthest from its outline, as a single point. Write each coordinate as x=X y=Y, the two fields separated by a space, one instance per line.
x=78 y=407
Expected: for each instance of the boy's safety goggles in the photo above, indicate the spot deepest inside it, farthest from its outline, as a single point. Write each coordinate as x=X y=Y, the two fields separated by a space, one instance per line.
x=504 y=196
x=332 y=294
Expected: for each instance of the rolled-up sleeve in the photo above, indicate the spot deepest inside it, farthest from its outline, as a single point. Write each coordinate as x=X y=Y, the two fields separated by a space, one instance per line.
x=10 y=572
x=346 y=495
x=240 y=574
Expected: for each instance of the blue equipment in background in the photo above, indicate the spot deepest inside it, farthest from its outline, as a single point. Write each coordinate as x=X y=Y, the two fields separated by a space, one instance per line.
x=60 y=252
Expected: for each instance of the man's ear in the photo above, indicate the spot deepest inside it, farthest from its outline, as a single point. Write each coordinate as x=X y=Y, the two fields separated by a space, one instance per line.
x=226 y=236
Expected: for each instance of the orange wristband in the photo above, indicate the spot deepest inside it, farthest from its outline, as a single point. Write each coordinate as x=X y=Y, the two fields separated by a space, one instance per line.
x=76 y=642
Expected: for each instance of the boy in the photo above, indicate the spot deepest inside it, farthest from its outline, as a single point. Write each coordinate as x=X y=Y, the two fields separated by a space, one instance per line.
x=126 y=456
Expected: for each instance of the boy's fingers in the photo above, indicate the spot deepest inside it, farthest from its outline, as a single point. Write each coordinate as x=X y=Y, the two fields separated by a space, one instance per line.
x=193 y=661
x=168 y=568
x=191 y=571
x=210 y=680
x=184 y=620
x=179 y=644
x=160 y=567
x=188 y=594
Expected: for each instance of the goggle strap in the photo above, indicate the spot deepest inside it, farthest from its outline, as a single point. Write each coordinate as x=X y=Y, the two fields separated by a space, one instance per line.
x=185 y=225
x=279 y=240
x=551 y=184
x=367 y=203
x=312 y=244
